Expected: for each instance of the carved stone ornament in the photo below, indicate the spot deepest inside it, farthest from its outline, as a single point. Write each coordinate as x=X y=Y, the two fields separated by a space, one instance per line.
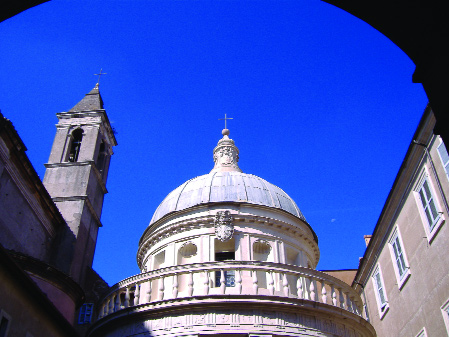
x=226 y=155
x=224 y=228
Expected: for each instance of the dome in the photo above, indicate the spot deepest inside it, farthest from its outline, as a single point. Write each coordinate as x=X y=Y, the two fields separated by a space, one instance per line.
x=226 y=183
x=226 y=186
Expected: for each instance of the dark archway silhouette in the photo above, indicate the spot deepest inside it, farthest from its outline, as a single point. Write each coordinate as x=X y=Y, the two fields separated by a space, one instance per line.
x=420 y=28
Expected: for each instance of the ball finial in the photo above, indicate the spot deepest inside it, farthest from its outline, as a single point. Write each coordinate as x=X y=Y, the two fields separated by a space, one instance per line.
x=225 y=132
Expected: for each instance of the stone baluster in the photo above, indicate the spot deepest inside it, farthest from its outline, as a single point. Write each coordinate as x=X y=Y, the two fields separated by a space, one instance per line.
x=137 y=294
x=255 y=282
x=175 y=286
x=323 y=292
x=117 y=302
x=342 y=298
x=312 y=290
x=348 y=303
x=285 y=285
x=222 y=282
x=334 y=296
x=111 y=305
x=355 y=307
x=238 y=281
x=190 y=285
x=147 y=296
x=106 y=307
x=270 y=282
x=100 y=312
x=299 y=287
x=127 y=297
x=206 y=283
x=161 y=289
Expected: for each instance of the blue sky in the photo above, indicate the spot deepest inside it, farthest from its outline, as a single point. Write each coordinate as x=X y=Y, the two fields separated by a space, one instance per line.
x=323 y=105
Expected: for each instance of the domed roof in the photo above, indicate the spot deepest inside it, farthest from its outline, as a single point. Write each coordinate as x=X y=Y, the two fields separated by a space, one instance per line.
x=226 y=183
x=226 y=186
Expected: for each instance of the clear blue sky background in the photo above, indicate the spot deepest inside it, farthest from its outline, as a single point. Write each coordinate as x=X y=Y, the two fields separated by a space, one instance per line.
x=323 y=105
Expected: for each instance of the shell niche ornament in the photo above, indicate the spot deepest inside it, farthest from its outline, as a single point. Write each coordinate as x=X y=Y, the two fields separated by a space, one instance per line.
x=224 y=228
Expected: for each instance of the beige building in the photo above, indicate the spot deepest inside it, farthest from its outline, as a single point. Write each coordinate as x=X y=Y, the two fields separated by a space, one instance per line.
x=403 y=277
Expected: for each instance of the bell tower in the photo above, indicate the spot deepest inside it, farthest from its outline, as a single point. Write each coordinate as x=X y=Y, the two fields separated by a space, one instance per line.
x=75 y=178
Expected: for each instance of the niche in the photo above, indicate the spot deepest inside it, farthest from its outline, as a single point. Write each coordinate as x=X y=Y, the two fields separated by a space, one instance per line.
x=261 y=252
x=186 y=253
x=291 y=256
x=159 y=260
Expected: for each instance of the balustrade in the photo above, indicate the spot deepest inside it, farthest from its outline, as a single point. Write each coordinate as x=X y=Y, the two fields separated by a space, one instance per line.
x=194 y=280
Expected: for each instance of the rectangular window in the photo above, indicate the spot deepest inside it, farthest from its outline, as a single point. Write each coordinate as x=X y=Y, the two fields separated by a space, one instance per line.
x=445 y=312
x=428 y=203
x=444 y=156
x=399 y=258
x=379 y=288
x=229 y=275
x=86 y=311
x=422 y=333
x=432 y=217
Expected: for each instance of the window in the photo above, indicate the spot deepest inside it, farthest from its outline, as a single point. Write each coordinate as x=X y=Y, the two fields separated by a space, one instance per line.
x=5 y=322
x=86 y=313
x=445 y=312
x=229 y=275
x=399 y=258
x=422 y=333
x=225 y=251
x=379 y=289
x=428 y=204
x=75 y=145
x=430 y=211
x=444 y=156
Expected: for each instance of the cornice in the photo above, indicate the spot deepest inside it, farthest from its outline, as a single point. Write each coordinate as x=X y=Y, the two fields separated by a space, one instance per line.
x=255 y=306
x=91 y=113
x=90 y=163
x=88 y=203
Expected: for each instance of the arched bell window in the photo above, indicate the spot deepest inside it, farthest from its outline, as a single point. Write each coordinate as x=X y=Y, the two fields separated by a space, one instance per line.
x=101 y=158
x=75 y=145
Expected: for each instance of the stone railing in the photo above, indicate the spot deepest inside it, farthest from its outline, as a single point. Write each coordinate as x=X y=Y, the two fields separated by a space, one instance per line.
x=230 y=278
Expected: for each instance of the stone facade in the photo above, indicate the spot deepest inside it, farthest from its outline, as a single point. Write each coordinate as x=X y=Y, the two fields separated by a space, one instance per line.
x=407 y=254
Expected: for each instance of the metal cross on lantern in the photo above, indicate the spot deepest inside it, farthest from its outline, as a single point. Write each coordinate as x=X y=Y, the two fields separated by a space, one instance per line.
x=225 y=119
